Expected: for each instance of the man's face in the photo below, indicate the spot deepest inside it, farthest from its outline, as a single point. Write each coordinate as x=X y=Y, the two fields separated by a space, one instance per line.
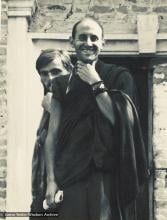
x=88 y=41
x=51 y=71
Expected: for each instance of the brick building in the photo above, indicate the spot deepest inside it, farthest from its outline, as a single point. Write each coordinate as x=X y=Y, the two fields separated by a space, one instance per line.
x=136 y=36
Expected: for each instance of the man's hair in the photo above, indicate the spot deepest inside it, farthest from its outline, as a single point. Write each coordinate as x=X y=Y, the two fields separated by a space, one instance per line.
x=86 y=17
x=48 y=55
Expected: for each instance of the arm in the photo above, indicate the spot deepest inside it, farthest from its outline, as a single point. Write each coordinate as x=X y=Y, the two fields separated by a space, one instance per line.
x=49 y=149
x=124 y=83
x=105 y=105
x=88 y=74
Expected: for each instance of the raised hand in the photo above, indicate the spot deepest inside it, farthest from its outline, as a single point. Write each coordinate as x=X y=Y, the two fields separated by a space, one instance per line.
x=87 y=72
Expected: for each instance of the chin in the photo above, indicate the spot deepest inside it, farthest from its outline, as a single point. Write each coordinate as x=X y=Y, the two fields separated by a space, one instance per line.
x=88 y=60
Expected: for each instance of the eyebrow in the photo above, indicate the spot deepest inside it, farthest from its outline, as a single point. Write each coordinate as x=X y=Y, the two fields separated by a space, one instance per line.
x=91 y=35
x=87 y=34
x=59 y=69
x=46 y=71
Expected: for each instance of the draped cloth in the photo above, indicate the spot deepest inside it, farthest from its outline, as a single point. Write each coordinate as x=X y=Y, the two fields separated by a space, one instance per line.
x=87 y=137
x=38 y=165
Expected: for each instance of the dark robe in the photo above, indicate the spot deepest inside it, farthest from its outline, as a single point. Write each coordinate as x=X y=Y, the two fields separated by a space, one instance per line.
x=86 y=136
x=89 y=145
x=38 y=180
x=88 y=141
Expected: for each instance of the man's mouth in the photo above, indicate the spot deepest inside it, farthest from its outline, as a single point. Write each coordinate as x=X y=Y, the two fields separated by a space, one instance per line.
x=88 y=51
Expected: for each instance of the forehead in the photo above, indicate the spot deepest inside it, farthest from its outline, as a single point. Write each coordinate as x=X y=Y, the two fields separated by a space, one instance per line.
x=55 y=64
x=88 y=26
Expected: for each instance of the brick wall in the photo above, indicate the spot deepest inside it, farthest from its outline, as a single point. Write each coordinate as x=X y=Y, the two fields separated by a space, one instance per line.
x=160 y=140
x=3 y=105
x=117 y=16
x=160 y=192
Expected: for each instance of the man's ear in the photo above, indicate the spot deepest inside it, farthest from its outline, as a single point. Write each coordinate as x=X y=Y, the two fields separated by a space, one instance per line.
x=71 y=41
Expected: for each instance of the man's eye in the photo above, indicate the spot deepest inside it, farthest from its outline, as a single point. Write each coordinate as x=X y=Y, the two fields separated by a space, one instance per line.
x=82 y=37
x=55 y=72
x=93 y=38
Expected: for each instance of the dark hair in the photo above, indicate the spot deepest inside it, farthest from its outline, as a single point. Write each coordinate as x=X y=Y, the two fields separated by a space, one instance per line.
x=48 y=55
x=86 y=17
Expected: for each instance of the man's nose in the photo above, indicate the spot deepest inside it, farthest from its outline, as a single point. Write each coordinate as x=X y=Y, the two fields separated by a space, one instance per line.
x=89 y=42
x=50 y=76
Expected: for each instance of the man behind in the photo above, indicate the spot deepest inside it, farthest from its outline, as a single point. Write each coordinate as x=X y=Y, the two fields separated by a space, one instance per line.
x=50 y=64
x=98 y=157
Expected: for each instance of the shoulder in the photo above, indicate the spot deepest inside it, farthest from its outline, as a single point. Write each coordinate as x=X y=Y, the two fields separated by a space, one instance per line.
x=113 y=75
x=110 y=70
x=118 y=71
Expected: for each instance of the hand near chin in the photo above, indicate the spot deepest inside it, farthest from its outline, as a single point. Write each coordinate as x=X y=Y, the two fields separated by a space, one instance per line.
x=87 y=72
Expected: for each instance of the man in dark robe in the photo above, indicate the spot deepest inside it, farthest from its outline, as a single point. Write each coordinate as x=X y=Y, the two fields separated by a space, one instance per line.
x=97 y=157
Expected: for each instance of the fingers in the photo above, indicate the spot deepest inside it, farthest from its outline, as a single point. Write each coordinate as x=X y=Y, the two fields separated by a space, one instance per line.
x=86 y=67
x=85 y=64
x=50 y=194
x=57 y=199
x=81 y=71
x=82 y=74
x=82 y=68
x=80 y=64
x=50 y=200
x=86 y=72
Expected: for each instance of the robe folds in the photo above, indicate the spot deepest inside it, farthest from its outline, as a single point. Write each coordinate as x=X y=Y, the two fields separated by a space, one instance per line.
x=87 y=138
x=38 y=179
x=88 y=141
